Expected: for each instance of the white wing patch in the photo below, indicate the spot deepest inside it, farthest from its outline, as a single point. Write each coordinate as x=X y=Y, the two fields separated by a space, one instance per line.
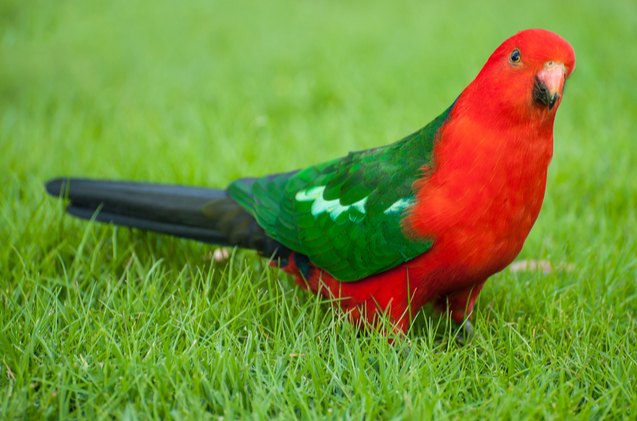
x=331 y=207
x=399 y=206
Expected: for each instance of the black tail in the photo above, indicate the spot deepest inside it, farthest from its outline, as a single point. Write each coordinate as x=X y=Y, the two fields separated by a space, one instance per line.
x=207 y=215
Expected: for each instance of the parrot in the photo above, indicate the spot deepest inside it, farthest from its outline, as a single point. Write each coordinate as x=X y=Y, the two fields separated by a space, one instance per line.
x=384 y=231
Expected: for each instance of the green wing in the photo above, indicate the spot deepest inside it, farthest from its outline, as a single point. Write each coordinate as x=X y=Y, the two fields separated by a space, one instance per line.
x=346 y=214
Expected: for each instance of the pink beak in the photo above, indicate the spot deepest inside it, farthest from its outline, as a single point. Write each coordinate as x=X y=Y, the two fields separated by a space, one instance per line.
x=549 y=84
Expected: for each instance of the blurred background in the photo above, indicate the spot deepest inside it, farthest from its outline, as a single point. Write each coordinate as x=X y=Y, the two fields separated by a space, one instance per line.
x=201 y=92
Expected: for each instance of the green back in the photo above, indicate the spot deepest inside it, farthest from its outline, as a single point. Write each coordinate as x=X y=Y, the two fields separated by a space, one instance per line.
x=346 y=214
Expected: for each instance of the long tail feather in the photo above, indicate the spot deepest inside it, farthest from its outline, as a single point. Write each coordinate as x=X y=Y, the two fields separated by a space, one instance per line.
x=202 y=214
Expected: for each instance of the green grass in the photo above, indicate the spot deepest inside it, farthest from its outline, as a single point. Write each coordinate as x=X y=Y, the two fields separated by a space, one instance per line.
x=97 y=322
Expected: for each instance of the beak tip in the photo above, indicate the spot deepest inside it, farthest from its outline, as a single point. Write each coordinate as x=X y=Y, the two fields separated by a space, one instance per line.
x=553 y=100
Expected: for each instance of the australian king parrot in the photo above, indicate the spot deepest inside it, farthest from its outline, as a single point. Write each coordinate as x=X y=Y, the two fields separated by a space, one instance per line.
x=427 y=219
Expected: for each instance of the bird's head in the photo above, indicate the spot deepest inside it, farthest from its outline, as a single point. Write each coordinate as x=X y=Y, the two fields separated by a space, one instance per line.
x=525 y=76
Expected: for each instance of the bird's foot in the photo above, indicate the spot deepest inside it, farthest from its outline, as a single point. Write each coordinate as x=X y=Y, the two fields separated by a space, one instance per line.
x=465 y=333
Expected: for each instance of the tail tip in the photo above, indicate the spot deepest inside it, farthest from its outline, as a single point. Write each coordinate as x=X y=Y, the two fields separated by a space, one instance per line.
x=56 y=186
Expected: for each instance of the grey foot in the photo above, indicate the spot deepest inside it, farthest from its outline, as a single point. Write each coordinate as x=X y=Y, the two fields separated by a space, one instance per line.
x=465 y=333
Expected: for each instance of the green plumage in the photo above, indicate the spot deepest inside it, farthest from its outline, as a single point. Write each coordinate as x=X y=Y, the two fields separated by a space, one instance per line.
x=346 y=214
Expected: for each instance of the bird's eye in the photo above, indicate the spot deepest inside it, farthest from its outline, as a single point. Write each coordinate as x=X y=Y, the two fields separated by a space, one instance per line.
x=515 y=57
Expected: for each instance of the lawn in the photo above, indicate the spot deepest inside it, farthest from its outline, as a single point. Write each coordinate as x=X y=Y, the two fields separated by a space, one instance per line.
x=98 y=322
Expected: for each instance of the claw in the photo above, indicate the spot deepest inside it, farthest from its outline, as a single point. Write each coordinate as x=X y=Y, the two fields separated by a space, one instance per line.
x=465 y=333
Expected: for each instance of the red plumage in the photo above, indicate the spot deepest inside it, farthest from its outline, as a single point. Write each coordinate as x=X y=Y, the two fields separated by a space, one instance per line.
x=483 y=193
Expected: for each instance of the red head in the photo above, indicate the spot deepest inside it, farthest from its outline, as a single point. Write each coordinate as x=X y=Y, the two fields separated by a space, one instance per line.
x=524 y=77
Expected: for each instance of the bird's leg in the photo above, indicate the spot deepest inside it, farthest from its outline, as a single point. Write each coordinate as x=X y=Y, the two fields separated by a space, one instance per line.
x=465 y=335
x=459 y=305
